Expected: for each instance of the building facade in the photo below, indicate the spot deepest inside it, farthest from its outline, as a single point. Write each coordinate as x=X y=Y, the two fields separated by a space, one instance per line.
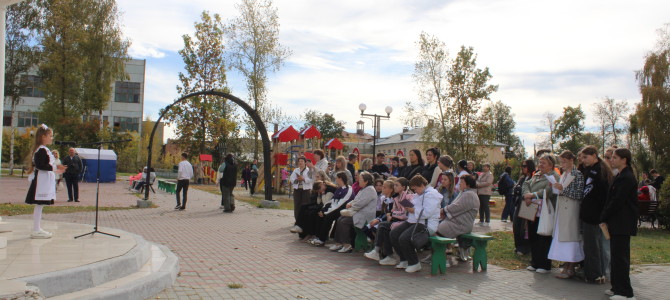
x=124 y=110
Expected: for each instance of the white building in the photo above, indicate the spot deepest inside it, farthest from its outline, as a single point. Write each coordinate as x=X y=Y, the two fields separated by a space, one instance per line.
x=124 y=111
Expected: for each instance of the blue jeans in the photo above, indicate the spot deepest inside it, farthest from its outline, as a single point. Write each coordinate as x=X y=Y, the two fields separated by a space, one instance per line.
x=508 y=211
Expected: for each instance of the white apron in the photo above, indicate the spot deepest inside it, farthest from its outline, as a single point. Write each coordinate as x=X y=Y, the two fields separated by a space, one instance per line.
x=45 y=189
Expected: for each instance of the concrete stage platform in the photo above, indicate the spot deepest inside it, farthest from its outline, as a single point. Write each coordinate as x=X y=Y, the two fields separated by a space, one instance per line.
x=91 y=267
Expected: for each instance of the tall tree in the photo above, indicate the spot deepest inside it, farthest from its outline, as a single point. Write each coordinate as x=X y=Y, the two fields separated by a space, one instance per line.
x=21 y=55
x=431 y=75
x=325 y=123
x=468 y=89
x=106 y=53
x=654 y=82
x=500 y=119
x=611 y=115
x=549 y=124
x=570 y=128
x=203 y=119
x=255 y=51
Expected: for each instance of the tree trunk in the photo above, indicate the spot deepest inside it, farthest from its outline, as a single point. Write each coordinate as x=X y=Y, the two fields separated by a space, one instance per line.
x=11 y=141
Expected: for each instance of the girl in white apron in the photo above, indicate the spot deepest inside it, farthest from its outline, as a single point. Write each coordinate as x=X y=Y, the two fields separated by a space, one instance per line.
x=42 y=179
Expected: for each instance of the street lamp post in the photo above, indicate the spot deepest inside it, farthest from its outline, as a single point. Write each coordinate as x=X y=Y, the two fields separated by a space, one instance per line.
x=375 y=123
x=504 y=153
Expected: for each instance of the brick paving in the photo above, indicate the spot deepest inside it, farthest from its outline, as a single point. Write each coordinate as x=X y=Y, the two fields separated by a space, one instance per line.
x=253 y=247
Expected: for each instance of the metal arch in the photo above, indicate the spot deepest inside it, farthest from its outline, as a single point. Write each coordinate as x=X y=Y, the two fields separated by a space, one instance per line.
x=267 y=165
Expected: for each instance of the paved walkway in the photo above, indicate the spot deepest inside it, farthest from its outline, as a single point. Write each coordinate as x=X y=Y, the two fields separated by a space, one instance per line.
x=253 y=247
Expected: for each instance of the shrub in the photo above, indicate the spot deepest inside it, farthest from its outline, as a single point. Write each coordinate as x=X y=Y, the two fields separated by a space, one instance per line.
x=664 y=205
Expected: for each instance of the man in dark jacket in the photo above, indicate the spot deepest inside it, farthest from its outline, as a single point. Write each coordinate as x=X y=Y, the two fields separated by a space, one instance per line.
x=227 y=183
x=74 y=167
x=620 y=215
x=246 y=176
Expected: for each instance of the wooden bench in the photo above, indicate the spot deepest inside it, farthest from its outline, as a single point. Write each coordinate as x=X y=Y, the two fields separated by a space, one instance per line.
x=479 y=242
x=648 y=213
x=439 y=257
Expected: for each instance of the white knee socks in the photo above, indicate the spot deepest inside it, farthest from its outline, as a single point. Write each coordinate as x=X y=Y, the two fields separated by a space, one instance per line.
x=37 y=218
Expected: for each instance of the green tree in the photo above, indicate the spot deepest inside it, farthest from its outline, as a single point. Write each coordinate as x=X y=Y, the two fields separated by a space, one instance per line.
x=570 y=127
x=501 y=122
x=549 y=124
x=21 y=55
x=203 y=122
x=325 y=123
x=255 y=51
x=611 y=115
x=654 y=109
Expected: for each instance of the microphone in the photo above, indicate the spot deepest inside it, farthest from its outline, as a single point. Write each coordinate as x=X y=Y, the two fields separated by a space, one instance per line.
x=65 y=143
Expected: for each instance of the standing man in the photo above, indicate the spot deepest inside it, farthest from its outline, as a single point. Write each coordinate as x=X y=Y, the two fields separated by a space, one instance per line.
x=246 y=176
x=254 y=176
x=656 y=179
x=227 y=183
x=74 y=167
x=184 y=176
x=351 y=165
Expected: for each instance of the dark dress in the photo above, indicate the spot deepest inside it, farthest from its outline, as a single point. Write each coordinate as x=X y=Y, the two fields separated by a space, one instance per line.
x=41 y=162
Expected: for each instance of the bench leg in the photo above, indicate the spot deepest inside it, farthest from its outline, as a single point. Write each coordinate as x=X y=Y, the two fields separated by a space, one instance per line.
x=152 y=188
x=479 y=257
x=438 y=259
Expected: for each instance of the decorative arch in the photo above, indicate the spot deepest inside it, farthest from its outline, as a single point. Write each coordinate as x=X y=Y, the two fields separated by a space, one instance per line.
x=267 y=167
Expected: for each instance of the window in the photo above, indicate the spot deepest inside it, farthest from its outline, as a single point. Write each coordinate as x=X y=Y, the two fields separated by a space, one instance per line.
x=27 y=119
x=128 y=92
x=33 y=86
x=126 y=124
x=7 y=118
x=105 y=119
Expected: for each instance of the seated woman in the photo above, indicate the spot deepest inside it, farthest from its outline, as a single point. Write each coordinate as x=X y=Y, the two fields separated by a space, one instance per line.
x=447 y=189
x=385 y=203
x=133 y=178
x=392 y=219
x=140 y=183
x=308 y=217
x=459 y=217
x=363 y=207
x=331 y=210
x=424 y=212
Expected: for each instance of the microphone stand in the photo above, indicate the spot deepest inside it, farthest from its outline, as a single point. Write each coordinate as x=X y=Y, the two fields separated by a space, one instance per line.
x=97 y=191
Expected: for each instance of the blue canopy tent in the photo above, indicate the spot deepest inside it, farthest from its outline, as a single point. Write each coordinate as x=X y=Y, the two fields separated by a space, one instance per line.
x=89 y=158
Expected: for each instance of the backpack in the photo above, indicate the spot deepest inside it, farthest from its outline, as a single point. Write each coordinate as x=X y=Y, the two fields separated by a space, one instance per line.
x=504 y=185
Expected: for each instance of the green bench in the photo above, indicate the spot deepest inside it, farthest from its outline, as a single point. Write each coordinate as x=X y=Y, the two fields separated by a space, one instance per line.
x=439 y=256
x=161 y=184
x=479 y=242
x=167 y=186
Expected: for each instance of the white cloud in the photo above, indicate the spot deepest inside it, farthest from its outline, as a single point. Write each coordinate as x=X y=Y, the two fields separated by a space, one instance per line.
x=544 y=55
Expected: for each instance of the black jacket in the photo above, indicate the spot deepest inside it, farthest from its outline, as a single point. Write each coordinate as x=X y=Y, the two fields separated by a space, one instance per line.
x=427 y=171
x=595 y=195
x=412 y=170
x=74 y=165
x=621 y=210
x=229 y=176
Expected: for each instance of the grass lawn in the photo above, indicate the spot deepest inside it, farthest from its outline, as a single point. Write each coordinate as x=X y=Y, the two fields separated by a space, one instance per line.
x=8 y=209
x=284 y=201
x=648 y=247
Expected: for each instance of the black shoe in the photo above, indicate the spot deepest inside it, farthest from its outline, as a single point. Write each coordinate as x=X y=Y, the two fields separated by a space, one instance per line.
x=227 y=210
x=182 y=208
x=70 y=200
x=232 y=208
x=177 y=207
x=76 y=200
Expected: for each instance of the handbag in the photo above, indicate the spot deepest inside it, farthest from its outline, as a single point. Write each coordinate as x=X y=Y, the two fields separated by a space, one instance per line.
x=547 y=217
x=420 y=237
x=347 y=213
x=528 y=212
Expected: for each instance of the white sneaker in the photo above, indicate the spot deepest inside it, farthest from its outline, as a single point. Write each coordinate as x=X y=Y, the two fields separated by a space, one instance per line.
x=413 y=268
x=401 y=265
x=295 y=229
x=345 y=249
x=542 y=271
x=41 y=235
x=374 y=255
x=335 y=247
x=388 y=261
x=530 y=268
x=617 y=297
x=609 y=293
x=316 y=242
x=486 y=224
x=463 y=253
x=222 y=207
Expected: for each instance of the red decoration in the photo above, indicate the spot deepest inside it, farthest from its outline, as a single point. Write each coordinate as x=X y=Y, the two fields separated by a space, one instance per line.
x=281 y=159
x=287 y=134
x=310 y=132
x=310 y=156
x=205 y=157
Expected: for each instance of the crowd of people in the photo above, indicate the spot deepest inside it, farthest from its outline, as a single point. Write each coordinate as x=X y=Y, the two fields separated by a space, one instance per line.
x=576 y=209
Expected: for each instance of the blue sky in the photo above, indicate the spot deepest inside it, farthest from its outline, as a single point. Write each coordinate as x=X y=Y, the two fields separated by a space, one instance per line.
x=544 y=55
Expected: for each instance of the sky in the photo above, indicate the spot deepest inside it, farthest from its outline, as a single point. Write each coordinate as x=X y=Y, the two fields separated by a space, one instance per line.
x=543 y=55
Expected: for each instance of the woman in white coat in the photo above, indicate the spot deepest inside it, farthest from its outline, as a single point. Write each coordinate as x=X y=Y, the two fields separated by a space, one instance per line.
x=423 y=213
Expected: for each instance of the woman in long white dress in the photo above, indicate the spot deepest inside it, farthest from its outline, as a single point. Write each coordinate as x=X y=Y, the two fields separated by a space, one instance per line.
x=566 y=243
